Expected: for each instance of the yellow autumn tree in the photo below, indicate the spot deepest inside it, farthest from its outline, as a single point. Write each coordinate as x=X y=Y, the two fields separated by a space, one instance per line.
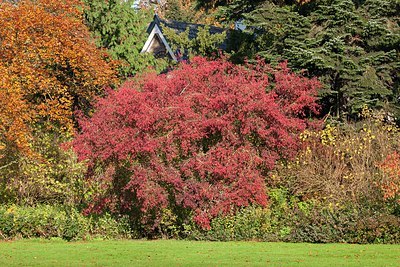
x=49 y=67
x=15 y=116
x=55 y=65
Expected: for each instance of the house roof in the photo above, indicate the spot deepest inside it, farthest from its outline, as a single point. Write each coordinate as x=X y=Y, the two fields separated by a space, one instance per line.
x=193 y=28
x=178 y=27
x=154 y=31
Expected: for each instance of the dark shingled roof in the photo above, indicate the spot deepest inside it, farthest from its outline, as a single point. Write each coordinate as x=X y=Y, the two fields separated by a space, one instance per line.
x=180 y=27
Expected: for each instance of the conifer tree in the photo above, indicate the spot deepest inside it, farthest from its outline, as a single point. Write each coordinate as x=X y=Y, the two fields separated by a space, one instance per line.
x=122 y=30
x=353 y=47
x=204 y=44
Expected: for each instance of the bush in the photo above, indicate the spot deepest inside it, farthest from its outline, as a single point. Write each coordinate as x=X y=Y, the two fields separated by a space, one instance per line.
x=54 y=176
x=251 y=223
x=390 y=185
x=323 y=224
x=58 y=221
x=200 y=137
x=348 y=224
x=272 y=223
x=290 y=220
x=376 y=228
x=341 y=163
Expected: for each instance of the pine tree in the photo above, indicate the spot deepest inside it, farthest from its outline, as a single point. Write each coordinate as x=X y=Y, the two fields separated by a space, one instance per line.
x=205 y=43
x=353 y=47
x=122 y=30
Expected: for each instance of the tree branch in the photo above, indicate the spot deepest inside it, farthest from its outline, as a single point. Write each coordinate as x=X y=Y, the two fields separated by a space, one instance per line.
x=9 y=164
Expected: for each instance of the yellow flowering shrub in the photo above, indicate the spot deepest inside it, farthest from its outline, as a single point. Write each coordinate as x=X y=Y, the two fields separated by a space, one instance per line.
x=341 y=163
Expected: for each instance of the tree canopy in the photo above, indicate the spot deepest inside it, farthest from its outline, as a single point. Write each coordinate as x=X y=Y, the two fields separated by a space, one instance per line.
x=352 y=46
x=121 y=29
x=49 y=68
x=200 y=138
x=48 y=64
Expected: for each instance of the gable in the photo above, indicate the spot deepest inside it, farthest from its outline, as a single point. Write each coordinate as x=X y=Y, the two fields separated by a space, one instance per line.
x=157 y=44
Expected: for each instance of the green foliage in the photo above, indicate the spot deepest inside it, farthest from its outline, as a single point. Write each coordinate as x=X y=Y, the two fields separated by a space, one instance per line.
x=54 y=175
x=121 y=29
x=57 y=222
x=353 y=47
x=323 y=225
x=176 y=11
x=291 y=220
x=329 y=224
x=193 y=11
x=204 y=44
x=240 y=46
x=254 y=223
x=235 y=9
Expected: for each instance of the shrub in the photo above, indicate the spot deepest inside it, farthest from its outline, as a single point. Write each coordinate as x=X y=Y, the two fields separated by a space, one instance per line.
x=323 y=224
x=341 y=163
x=272 y=223
x=54 y=176
x=335 y=223
x=391 y=185
x=348 y=172
x=289 y=219
x=199 y=138
x=57 y=221
x=376 y=228
x=49 y=67
x=251 y=223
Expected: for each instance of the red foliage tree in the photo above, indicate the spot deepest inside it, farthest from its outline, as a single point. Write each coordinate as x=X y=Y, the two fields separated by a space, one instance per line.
x=201 y=137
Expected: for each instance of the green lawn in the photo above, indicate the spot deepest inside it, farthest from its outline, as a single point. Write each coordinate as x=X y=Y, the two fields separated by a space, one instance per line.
x=185 y=253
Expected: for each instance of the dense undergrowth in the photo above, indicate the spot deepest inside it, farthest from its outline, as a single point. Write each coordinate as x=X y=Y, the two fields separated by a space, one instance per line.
x=342 y=187
x=54 y=221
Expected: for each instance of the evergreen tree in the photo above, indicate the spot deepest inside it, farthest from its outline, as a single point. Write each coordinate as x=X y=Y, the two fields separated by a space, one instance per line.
x=189 y=11
x=352 y=46
x=231 y=11
x=121 y=29
x=180 y=11
x=204 y=44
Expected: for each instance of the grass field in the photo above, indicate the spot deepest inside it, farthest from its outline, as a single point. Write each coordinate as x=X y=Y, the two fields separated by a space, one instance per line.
x=185 y=253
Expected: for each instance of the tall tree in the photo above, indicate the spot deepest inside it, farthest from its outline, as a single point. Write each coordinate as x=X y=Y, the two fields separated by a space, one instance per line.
x=193 y=11
x=121 y=29
x=49 y=67
x=352 y=46
x=47 y=51
x=180 y=10
x=15 y=116
x=204 y=43
x=200 y=138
